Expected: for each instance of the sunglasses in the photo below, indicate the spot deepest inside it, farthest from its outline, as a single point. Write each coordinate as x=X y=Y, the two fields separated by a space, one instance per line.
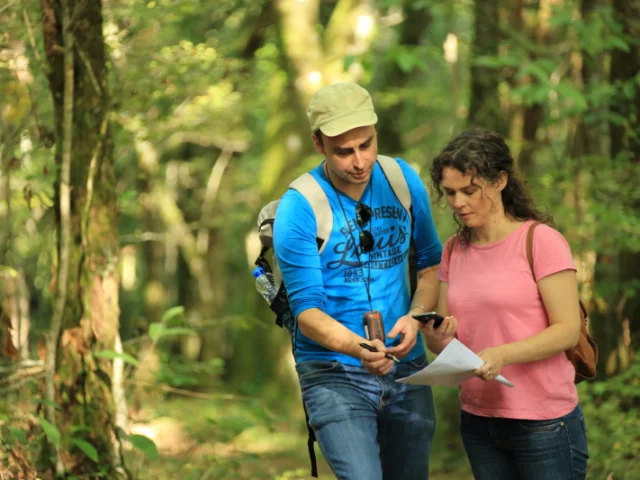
x=363 y=215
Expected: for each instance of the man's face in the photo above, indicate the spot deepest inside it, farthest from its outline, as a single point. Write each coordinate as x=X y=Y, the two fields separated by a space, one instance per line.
x=350 y=156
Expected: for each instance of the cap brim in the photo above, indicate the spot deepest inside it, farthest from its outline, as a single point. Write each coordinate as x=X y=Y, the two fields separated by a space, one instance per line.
x=343 y=124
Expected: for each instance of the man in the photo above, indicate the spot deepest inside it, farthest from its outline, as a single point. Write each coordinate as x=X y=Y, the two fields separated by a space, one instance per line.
x=367 y=425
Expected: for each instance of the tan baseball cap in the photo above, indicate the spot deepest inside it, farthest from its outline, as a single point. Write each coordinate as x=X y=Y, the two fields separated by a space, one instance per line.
x=340 y=107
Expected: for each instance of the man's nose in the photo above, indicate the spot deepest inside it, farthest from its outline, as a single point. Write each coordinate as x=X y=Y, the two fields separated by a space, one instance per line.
x=358 y=161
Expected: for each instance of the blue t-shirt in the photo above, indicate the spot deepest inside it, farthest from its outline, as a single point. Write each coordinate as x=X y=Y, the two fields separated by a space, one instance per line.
x=335 y=281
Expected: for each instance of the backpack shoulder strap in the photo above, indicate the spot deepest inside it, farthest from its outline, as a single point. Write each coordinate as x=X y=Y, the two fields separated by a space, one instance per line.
x=310 y=189
x=530 y=248
x=398 y=182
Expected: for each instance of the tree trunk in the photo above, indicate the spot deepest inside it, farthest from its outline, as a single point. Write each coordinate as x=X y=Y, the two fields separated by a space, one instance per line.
x=391 y=131
x=87 y=311
x=484 y=106
x=616 y=320
x=537 y=31
x=14 y=306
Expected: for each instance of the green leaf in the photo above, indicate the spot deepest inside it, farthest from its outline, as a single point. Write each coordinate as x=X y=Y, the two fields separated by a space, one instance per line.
x=496 y=62
x=79 y=428
x=18 y=434
x=112 y=355
x=620 y=44
x=88 y=449
x=44 y=402
x=349 y=60
x=145 y=445
x=51 y=431
x=128 y=195
x=168 y=332
x=629 y=90
x=406 y=61
x=157 y=330
x=172 y=312
x=568 y=92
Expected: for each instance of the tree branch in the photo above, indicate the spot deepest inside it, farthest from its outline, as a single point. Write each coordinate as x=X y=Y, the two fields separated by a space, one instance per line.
x=87 y=65
x=213 y=185
x=302 y=42
x=65 y=225
x=93 y=167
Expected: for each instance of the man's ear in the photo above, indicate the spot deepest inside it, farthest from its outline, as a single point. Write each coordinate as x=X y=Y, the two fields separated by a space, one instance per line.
x=318 y=143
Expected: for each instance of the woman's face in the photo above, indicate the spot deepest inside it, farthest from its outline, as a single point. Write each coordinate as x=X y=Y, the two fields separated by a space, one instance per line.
x=473 y=200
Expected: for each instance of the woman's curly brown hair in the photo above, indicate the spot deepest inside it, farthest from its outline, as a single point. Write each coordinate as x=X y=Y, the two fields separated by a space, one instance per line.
x=484 y=154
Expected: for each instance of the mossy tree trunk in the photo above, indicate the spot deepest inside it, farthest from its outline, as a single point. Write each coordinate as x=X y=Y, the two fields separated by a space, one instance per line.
x=87 y=310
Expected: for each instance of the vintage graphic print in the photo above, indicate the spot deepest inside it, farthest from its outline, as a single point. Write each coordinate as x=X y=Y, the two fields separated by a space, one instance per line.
x=391 y=230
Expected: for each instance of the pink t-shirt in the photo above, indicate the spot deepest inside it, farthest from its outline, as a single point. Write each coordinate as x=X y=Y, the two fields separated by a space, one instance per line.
x=493 y=296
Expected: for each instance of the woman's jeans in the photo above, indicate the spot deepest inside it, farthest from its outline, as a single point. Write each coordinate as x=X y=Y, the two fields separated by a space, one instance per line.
x=369 y=427
x=504 y=448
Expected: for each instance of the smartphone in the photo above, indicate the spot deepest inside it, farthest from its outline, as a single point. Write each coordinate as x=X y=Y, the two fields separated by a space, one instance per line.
x=425 y=317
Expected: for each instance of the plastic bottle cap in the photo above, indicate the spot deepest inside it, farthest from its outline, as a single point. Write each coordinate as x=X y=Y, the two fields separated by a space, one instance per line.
x=258 y=271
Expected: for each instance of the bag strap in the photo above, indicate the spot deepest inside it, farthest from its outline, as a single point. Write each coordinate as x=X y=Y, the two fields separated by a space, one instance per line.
x=310 y=189
x=397 y=180
x=398 y=183
x=452 y=244
x=530 y=247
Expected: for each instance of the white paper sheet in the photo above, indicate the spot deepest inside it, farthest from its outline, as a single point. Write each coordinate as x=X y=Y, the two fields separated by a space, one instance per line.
x=454 y=365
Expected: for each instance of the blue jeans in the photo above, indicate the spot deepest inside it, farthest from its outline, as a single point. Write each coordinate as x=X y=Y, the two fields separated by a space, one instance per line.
x=505 y=448
x=368 y=427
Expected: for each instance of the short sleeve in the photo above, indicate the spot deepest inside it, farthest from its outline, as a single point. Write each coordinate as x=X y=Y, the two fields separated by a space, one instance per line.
x=551 y=252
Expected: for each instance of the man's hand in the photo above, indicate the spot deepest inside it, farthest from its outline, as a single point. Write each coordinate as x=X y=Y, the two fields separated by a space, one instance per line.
x=494 y=361
x=375 y=362
x=407 y=327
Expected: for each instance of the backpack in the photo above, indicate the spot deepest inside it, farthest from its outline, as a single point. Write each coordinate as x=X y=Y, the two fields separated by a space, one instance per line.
x=584 y=356
x=309 y=187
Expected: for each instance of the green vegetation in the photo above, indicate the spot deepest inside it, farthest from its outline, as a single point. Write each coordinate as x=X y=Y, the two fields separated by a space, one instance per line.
x=172 y=123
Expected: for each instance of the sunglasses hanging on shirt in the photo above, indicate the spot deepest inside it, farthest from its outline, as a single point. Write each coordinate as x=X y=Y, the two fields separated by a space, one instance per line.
x=363 y=215
x=372 y=321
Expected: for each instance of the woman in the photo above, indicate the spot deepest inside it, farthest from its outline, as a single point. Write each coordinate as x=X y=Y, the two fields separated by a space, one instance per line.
x=519 y=328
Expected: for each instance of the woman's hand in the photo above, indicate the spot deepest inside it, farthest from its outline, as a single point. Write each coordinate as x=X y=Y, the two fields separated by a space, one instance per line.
x=439 y=338
x=495 y=360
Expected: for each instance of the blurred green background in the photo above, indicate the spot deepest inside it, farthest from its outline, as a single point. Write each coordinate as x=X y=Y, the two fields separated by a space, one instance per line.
x=186 y=116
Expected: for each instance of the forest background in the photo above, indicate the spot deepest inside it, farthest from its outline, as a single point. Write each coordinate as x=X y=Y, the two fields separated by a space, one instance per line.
x=138 y=141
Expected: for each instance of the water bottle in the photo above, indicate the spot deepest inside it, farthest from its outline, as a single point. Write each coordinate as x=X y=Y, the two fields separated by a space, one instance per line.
x=265 y=284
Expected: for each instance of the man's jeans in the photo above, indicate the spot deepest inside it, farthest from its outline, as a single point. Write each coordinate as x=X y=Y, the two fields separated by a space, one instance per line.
x=368 y=427
x=503 y=448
